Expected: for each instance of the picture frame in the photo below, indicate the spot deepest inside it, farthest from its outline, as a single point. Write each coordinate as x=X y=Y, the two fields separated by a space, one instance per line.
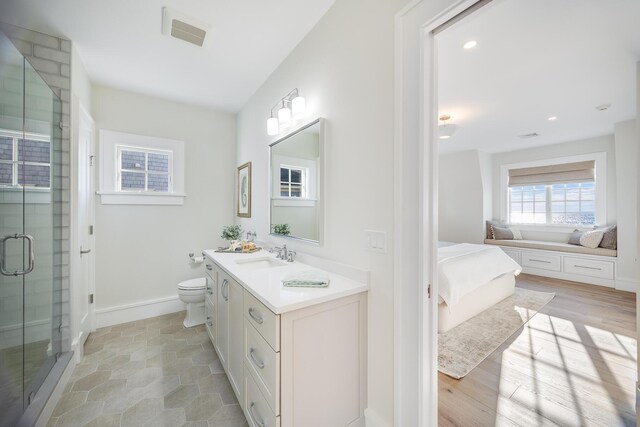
x=244 y=191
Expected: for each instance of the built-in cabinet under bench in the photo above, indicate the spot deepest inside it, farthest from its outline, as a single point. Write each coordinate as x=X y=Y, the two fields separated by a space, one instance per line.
x=293 y=356
x=594 y=269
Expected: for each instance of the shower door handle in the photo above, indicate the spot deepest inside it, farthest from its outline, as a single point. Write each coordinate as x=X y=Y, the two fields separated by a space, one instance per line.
x=3 y=255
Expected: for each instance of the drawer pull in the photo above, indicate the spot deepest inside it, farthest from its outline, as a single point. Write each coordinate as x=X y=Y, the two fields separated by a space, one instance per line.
x=590 y=268
x=225 y=295
x=255 y=317
x=539 y=260
x=209 y=291
x=255 y=419
x=209 y=322
x=258 y=363
x=209 y=267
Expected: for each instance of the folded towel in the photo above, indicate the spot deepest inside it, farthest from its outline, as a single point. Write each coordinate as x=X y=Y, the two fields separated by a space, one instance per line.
x=306 y=279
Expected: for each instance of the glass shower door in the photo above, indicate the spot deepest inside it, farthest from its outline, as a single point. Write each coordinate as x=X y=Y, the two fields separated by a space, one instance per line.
x=11 y=223
x=31 y=210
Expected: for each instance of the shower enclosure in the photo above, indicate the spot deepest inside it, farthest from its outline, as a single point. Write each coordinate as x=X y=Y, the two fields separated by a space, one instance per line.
x=31 y=252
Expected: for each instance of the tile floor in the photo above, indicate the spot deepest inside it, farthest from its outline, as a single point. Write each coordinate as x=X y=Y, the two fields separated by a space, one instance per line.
x=152 y=372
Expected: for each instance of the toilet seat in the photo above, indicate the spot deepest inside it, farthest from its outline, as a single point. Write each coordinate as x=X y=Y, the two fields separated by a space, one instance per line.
x=198 y=284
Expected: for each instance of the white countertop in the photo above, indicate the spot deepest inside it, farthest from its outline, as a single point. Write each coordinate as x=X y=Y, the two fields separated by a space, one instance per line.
x=266 y=283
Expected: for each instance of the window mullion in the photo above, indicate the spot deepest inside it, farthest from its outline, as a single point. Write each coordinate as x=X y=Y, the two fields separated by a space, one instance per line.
x=548 y=197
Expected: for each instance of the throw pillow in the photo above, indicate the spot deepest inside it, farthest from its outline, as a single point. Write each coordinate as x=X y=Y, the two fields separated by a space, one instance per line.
x=497 y=224
x=574 y=239
x=500 y=233
x=517 y=235
x=610 y=238
x=591 y=239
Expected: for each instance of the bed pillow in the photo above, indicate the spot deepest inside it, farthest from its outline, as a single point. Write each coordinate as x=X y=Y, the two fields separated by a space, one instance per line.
x=497 y=224
x=500 y=233
x=574 y=239
x=610 y=237
x=591 y=239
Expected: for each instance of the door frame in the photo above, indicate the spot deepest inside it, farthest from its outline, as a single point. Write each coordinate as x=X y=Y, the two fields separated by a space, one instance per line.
x=416 y=209
x=82 y=119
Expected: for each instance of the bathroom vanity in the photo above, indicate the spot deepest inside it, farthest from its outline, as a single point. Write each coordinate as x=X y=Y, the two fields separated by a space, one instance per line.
x=294 y=356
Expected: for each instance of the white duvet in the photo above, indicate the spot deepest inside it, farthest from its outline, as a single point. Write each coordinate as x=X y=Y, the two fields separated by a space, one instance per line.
x=465 y=267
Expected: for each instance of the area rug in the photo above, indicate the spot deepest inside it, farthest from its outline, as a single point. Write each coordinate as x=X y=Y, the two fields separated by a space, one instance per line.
x=463 y=348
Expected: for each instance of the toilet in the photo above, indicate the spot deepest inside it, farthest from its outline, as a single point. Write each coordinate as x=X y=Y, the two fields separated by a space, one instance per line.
x=191 y=292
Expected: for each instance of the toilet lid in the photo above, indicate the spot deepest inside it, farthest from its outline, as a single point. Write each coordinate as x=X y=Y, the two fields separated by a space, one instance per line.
x=193 y=284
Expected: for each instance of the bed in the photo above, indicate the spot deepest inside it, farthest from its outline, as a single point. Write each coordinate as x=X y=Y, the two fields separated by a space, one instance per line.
x=471 y=278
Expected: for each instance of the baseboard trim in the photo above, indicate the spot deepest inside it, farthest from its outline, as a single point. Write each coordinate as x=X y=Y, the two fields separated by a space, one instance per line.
x=626 y=285
x=374 y=420
x=137 y=311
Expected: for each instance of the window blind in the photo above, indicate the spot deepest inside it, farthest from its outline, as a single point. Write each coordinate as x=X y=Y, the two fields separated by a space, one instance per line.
x=553 y=174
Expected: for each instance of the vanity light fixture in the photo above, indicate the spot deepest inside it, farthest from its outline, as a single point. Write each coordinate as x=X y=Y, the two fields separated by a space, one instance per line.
x=292 y=106
x=446 y=131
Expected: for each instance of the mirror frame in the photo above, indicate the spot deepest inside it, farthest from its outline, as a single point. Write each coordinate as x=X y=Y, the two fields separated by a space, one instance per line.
x=321 y=161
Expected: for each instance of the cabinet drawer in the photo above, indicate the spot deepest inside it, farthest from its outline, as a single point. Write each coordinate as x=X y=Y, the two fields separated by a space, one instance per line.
x=515 y=255
x=542 y=261
x=264 y=363
x=210 y=268
x=588 y=267
x=266 y=322
x=210 y=291
x=209 y=322
x=256 y=409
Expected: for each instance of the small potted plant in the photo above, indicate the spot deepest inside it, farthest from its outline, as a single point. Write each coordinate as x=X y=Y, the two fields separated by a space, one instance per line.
x=282 y=229
x=232 y=234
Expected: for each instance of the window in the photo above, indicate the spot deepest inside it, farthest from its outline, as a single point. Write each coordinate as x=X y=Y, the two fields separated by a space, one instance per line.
x=25 y=162
x=565 y=191
x=143 y=169
x=140 y=170
x=292 y=182
x=573 y=203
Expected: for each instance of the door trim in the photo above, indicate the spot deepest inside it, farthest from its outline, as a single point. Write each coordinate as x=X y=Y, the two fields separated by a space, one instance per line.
x=415 y=213
x=82 y=119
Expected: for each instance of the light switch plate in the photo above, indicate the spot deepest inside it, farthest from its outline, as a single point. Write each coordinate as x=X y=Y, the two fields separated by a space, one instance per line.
x=375 y=241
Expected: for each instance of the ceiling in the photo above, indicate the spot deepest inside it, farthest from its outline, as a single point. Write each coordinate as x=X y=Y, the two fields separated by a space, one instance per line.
x=121 y=45
x=536 y=59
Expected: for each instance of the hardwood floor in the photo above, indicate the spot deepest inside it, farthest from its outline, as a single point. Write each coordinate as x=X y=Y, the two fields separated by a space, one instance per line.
x=573 y=364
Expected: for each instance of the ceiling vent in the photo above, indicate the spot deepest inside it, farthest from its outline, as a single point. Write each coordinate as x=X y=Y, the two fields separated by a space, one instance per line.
x=183 y=27
x=529 y=135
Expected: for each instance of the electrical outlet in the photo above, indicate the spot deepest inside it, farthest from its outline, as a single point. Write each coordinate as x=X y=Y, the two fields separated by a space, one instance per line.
x=375 y=241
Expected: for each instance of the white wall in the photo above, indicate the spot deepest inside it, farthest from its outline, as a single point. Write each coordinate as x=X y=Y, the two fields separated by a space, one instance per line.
x=461 y=197
x=344 y=67
x=626 y=141
x=142 y=251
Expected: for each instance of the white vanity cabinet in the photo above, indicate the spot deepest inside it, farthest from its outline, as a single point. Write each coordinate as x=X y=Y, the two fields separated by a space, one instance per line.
x=303 y=366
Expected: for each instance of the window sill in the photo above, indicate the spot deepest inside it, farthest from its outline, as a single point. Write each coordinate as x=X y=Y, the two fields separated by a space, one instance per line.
x=552 y=227
x=285 y=201
x=121 y=198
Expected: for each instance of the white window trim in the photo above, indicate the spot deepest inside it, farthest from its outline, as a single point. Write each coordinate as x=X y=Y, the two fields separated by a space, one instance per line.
x=14 y=193
x=110 y=141
x=601 y=188
x=311 y=178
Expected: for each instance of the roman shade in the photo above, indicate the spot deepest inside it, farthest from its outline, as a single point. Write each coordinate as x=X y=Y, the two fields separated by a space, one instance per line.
x=553 y=174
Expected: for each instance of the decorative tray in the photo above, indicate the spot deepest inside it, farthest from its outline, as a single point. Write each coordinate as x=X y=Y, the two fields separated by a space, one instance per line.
x=227 y=251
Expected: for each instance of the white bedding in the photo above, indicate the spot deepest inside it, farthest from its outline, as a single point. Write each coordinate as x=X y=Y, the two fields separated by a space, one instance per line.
x=465 y=267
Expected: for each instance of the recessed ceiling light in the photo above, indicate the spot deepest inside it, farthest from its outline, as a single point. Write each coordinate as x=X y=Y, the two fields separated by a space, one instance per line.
x=552 y=118
x=470 y=44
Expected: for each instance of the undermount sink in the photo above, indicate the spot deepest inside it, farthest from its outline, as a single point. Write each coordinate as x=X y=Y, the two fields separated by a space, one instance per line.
x=264 y=262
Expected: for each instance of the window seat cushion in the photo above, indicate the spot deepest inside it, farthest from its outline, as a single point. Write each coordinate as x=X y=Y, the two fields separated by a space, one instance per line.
x=553 y=246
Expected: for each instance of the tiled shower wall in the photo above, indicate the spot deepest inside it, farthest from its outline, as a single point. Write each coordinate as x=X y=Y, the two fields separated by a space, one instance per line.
x=51 y=58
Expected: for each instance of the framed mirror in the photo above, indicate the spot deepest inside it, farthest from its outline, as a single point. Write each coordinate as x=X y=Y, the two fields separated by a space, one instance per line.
x=296 y=184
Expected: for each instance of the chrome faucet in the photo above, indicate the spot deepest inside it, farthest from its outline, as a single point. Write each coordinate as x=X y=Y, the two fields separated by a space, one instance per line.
x=291 y=256
x=283 y=253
